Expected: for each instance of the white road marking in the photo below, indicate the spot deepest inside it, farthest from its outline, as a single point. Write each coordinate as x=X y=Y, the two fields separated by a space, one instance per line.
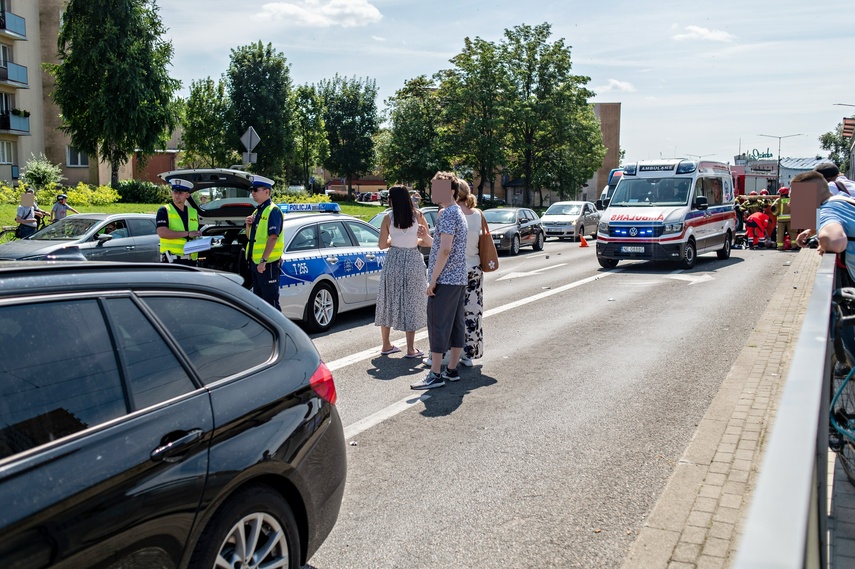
x=514 y=275
x=371 y=420
x=691 y=279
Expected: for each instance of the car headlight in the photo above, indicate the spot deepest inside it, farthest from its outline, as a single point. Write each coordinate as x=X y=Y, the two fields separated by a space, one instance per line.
x=673 y=228
x=603 y=227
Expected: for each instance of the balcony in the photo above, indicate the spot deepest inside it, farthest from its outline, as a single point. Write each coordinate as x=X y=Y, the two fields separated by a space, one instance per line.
x=14 y=74
x=13 y=26
x=14 y=124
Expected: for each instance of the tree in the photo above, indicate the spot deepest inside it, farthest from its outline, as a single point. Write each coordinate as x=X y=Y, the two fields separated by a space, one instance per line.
x=259 y=84
x=837 y=146
x=309 y=132
x=112 y=85
x=351 y=121
x=205 y=119
x=414 y=151
x=540 y=87
x=472 y=93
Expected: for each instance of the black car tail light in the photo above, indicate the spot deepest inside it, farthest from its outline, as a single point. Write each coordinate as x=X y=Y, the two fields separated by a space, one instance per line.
x=323 y=384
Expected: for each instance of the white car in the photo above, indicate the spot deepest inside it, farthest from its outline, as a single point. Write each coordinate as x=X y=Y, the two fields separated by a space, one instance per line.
x=331 y=262
x=571 y=219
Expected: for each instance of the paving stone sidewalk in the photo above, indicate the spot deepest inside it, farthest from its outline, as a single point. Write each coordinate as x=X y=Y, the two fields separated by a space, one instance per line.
x=697 y=521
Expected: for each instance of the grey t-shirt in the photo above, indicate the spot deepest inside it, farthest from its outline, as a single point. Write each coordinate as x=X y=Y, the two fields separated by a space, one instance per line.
x=28 y=214
x=59 y=210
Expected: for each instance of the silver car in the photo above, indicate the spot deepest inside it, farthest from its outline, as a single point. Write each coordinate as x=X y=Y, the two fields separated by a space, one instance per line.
x=97 y=236
x=571 y=219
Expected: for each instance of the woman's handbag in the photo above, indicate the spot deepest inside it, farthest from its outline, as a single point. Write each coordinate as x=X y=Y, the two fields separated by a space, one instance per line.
x=487 y=249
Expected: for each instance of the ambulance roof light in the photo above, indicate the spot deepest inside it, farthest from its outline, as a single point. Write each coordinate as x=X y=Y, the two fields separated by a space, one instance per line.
x=630 y=169
x=686 y=167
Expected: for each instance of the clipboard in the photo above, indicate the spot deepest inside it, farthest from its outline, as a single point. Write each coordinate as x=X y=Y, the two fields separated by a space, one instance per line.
x=198 y=245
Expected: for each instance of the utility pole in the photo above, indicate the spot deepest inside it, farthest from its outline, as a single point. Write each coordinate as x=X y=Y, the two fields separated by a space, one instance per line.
x=778 y=171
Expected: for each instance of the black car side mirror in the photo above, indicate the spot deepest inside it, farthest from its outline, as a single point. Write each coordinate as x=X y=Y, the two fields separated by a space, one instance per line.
x=103 y=238
x=701 y=202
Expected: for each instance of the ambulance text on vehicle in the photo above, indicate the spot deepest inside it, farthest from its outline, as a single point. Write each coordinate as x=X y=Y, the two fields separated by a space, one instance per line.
x=668 y=210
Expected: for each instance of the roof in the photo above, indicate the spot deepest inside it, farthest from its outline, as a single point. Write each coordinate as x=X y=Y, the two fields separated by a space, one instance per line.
x=802 y=163
x=849 y=126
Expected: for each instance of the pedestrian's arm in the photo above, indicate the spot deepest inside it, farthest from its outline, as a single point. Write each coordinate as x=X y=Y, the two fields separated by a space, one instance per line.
x=425 y=239
x=832 y=238
x=445 y=241
x=166 y=233
x=385 y=240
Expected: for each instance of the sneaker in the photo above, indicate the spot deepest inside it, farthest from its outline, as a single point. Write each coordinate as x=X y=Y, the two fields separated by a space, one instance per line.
x=428 y=362
x=430 y=381
x=467 y=361
x=450 y=375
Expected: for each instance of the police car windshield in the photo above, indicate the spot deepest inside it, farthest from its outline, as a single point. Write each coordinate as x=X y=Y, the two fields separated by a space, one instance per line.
x=73 y=227
x=651 y=192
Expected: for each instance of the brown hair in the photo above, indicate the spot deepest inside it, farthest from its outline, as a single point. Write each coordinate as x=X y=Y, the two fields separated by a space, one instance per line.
x=465 y=194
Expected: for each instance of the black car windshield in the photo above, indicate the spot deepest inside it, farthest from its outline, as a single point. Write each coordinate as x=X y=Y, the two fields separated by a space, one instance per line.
x=650 y=192
x=564 y=209
x=73 y=227
x=500 y=215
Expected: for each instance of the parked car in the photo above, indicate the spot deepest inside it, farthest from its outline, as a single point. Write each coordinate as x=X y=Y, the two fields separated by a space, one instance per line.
x=97 y=236
x=159 y=416
x=384 y=197
x=515 y=227
x=571 y=219
x=430 y=213
x=331 y=262
x=490 y=200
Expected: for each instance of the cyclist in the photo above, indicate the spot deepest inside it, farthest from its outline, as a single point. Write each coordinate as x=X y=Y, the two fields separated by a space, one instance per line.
x=26 y=217
x=60 y=208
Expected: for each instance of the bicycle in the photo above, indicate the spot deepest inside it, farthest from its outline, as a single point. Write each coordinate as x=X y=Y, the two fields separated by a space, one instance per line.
x=7 y=233
x=841 y=436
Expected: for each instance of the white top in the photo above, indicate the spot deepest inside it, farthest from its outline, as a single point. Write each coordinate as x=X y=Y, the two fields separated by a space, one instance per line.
x=407 y=238
x=473 y=233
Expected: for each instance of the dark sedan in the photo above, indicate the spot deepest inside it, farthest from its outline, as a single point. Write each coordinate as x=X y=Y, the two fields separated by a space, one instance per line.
x=97 y=236
x=159 y=416
x=515 y=227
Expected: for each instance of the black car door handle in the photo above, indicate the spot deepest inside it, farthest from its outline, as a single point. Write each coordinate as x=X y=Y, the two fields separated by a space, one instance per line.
x=175 y=445
x=129 y=247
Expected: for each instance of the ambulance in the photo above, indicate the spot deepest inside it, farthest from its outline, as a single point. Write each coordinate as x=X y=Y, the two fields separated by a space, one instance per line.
x=668 y=210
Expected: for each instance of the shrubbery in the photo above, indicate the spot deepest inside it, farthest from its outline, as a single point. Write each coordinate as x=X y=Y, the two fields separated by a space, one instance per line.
x=139 y=191
x=79 y=195
x=279 y=196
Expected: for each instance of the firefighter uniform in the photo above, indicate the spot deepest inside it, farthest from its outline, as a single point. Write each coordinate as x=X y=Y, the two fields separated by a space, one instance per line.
x=756 y=228
x=781 y=208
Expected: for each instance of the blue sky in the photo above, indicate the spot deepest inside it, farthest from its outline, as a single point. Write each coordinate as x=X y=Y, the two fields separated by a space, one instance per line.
x=694 y=78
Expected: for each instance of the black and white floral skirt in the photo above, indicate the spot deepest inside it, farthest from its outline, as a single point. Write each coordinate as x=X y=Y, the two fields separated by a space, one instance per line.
x=473 y=307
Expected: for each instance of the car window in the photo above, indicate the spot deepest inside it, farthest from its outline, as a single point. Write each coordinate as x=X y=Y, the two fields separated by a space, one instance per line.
x=365 y=236
x=140 y=227
x=430 y=217
x=59 y=373
x=219 y=340
x=333 y=235
x=117 y=228
x=153 y=372
x=306 y=238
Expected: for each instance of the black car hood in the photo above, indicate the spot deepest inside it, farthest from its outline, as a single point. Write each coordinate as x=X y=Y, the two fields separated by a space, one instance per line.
x=501 y=227
x=31 y=247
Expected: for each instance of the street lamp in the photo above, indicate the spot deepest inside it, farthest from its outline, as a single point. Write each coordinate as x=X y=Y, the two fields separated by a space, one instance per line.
x=778 y=170
x=698 y=156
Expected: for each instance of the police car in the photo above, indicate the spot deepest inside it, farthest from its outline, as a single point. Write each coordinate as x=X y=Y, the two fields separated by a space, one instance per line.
x=331 y=263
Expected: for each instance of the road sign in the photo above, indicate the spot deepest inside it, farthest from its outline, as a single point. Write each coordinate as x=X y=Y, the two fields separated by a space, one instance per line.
x=250 y=138
x=249 y=157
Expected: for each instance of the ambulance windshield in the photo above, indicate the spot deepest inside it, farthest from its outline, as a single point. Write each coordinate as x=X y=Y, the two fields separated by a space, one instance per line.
x=651 y=192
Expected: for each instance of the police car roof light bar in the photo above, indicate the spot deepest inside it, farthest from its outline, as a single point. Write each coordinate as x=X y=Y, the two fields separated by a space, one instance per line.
x=302 y=207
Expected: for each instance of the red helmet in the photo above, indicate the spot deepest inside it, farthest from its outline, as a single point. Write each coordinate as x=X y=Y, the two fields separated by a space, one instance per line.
x=784 y=191
x=764 y=192
x=753 y=194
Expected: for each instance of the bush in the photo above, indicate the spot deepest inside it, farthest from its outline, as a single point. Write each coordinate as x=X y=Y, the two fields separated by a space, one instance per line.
x=39 y=172
x=139 y=191
x=297 y=197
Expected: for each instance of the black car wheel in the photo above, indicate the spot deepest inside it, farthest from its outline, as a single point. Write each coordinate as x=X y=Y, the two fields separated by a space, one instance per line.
x=322 y=308
x=724 y=252
x=539 y=241
x=607 y=263
x=689 y=255
x=580 y=233
x=515 y=245
x=255 y=528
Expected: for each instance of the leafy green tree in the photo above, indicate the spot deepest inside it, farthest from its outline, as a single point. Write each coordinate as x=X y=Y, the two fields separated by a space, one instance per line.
x=540 y=88
x=837 y=146
x=415 y=151
x=310 y=134
x=472 y=93
x=259 y=84
x=205 y=139
x=112 y=85
x=351 y=121
x=41 y=172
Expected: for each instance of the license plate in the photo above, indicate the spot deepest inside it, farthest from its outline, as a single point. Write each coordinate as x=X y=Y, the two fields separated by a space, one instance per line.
x=628 y=249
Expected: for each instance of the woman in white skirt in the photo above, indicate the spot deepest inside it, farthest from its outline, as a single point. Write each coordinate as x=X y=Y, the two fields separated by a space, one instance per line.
x=401 y=300
x=474 y=299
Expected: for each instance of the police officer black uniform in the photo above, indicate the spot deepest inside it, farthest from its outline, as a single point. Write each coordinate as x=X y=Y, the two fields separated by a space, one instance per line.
x=266 y=242
x=177 y=222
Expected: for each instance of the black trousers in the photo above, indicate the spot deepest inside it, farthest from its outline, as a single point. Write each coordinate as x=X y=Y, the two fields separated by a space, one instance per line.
x=266 y=284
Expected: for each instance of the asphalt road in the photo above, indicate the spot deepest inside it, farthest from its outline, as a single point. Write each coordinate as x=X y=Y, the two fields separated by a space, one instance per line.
x=553 y=449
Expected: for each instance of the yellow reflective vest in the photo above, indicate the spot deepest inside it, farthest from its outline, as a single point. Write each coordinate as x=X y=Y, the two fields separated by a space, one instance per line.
x=176 y=246
x=260 y=241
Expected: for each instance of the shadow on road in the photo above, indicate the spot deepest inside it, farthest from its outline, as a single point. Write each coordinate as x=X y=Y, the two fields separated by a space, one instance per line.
x=446 y=400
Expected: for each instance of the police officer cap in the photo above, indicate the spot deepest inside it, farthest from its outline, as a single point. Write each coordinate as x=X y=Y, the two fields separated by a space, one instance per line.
x=179 y=185
x=261 y=182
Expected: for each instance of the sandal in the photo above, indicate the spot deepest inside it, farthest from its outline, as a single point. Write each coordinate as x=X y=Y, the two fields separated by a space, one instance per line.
x=393 y=350
x=417 y=354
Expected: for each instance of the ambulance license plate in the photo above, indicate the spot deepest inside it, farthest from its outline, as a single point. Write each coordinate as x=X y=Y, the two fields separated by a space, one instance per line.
x=629 y=249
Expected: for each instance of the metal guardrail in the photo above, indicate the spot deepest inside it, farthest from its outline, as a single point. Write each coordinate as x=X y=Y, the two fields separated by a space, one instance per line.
x=787 y=524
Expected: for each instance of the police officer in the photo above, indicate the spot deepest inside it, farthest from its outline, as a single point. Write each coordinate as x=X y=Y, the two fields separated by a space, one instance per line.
x=177 y=222
x=266 y=242
x=781 y=208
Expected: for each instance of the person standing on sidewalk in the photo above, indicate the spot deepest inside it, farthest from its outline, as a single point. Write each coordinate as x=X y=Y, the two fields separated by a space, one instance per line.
x=266 y=242
x=177 y=222
x=447 y=276
x=473 y=304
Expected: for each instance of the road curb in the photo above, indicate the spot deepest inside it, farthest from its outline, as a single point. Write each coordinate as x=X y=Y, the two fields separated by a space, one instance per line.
x=697 y=520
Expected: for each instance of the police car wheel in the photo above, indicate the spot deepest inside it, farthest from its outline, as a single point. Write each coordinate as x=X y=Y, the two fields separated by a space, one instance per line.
x=689 y=255
x=322 y=308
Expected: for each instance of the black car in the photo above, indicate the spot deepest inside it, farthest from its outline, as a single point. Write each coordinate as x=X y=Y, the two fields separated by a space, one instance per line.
x=159 y=416
x=515 y=227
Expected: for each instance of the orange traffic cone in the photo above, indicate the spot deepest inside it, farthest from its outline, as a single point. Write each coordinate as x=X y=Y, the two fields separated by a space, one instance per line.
x=582 y=241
